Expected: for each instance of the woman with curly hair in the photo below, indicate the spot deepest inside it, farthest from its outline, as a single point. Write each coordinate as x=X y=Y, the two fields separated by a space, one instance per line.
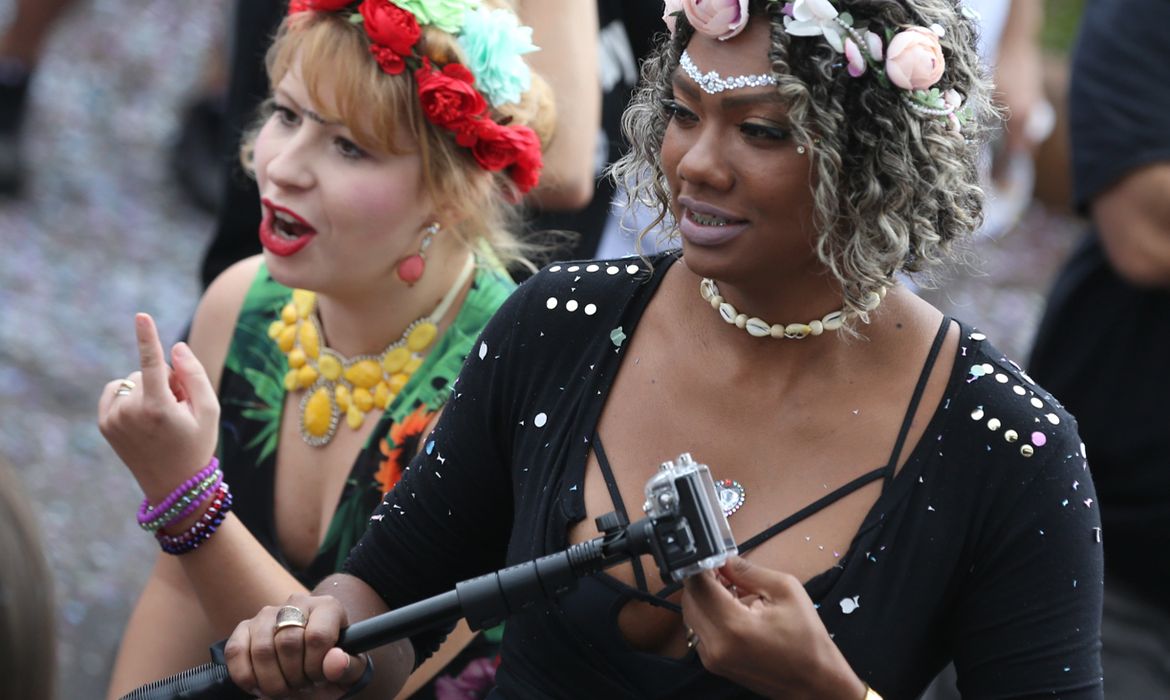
x=901 y=494
x=390 y=156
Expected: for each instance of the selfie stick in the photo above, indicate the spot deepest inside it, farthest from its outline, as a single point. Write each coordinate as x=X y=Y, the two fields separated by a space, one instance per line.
x=484 y=601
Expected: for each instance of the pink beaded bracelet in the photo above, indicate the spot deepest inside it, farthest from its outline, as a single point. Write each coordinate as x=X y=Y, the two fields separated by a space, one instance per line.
x=204 y=528
x=147 y=512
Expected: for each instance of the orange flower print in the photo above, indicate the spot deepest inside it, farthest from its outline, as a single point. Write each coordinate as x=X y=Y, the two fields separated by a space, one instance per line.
x=401 y=445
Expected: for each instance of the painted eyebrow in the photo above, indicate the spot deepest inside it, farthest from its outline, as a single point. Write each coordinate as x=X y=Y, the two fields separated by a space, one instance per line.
x=306 y=111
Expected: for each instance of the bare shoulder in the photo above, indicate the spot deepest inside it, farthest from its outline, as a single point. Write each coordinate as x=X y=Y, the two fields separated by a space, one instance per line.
x=215 y=318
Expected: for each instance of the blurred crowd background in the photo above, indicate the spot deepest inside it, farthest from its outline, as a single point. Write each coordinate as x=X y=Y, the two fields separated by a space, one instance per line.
x=113 y=218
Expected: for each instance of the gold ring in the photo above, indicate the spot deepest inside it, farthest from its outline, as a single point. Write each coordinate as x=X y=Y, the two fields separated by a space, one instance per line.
x=125 y=387
x=290 y=616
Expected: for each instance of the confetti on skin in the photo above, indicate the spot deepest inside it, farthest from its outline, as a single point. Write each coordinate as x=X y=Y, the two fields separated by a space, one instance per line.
x=1064 y=502
x=848 y=605
x=1039 y=439
x=930 y=508
x=1076 y=485
x=377 y=518
x=617 y=336
x=1088 y=503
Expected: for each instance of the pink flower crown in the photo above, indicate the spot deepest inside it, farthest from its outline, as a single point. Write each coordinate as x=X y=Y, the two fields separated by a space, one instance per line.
x=448 y=93
x=910 y=60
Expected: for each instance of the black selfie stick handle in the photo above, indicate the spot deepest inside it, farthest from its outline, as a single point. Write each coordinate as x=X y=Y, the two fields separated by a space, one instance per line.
x=485 y=601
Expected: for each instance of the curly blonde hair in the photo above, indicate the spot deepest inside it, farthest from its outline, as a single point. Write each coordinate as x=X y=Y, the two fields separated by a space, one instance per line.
x=892 y=190
x=372 y=104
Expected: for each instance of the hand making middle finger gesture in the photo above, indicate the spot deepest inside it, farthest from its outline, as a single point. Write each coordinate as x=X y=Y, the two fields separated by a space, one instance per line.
x=163 y=423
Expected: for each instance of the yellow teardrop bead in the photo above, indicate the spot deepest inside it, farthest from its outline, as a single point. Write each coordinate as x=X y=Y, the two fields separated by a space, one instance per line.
x=398 y=381
x=421 y=337
x=318 y=413
x=362 y=399
x=365 y=374
x=382 y=395
x=354 y=417
x=413 y=365
x=303 y=300
x=290 y=380
x=395 y=360
x=330 y=367
x=287 y=338
x=310 y=339
x=288 y=314
x=275 y=328
x=296 y=358
x=306 y=376
x=341 y=395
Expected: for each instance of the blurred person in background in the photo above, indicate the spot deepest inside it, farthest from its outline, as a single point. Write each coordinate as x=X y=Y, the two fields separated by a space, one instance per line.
x=389 y=160
x=20 y=49
x=27 y=651
x=1104 y=339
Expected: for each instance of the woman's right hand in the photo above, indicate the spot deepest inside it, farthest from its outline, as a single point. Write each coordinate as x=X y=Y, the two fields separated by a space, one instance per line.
x=162 y=423
x=294 y=660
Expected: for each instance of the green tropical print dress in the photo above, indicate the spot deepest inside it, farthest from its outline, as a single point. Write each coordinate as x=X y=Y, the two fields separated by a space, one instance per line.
x=252 y=395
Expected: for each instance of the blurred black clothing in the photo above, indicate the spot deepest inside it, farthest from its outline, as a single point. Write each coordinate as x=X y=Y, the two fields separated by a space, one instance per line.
x=1103 y=344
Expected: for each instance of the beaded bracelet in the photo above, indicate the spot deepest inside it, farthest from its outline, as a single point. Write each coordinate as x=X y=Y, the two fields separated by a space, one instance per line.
x=198 y=501
x=203 y=528
x=186 y=505
x=147 y=512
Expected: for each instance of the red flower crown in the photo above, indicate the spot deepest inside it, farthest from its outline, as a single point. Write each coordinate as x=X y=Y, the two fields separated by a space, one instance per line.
x=447 y=93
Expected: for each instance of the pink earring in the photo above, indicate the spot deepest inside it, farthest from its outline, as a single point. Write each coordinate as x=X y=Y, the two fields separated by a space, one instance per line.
x=411 y=268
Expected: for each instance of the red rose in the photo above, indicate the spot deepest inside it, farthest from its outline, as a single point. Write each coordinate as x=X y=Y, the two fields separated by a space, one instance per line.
x=448 y=97
x=388 y=59
x=389 y=26
x=493 y=149
x=526 y=170
x=295 y=6
x=327 y=5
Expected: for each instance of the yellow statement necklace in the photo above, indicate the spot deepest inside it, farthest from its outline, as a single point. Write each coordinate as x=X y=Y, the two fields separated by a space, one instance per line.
x=353 y=386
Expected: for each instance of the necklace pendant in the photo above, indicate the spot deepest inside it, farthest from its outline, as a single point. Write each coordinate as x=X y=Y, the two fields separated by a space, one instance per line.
x=731 y=495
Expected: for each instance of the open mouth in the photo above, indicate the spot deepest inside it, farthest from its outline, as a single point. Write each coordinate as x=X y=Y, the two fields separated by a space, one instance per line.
x=708 y=220
x=283 y=232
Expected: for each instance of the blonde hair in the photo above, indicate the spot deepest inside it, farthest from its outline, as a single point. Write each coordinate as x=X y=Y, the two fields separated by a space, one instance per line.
x=893 y=192
x=374 y=105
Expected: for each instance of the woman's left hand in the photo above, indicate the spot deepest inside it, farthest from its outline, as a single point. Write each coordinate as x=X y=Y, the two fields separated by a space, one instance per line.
x=758 y=627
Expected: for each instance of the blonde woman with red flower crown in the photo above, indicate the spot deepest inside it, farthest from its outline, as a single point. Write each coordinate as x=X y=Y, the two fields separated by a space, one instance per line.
x=398 y=136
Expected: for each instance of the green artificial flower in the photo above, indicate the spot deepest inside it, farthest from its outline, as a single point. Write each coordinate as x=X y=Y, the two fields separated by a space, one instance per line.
x=494 y=42
x=445 y=14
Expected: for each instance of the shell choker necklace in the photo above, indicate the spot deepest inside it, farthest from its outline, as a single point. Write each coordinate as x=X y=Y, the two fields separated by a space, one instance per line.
x=351 y=386
x=759 y=328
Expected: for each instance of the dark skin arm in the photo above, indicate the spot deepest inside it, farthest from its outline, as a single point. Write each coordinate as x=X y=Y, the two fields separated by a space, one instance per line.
x=305 y=663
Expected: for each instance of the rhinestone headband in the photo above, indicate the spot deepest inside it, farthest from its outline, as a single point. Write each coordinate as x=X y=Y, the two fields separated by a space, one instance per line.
x=712 y=83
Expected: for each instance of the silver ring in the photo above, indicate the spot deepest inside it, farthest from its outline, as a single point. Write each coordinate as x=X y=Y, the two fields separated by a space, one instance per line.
x=692 y=639
x=290 y=616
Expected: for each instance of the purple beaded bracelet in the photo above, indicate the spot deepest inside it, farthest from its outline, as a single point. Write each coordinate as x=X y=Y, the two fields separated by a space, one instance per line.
x=198 y=494
x=147 y=513
x=203 y=528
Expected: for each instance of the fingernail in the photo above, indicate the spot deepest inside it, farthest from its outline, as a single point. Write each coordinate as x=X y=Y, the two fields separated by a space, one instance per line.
x=140 y=320
x=181 y=350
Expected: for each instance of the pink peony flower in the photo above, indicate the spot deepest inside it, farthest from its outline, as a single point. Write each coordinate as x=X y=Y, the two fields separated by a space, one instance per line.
x=672 y=6
x=856 y=61
x=914 y=59
x=719 y=19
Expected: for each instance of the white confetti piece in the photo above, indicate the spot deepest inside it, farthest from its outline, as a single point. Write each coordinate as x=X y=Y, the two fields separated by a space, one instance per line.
x=540 y=420
x=482 y=349
x=848 y=605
